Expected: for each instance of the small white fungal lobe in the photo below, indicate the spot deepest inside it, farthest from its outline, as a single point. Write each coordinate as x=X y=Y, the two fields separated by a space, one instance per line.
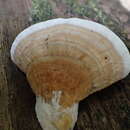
x=95 y=27
x=49 y=113
x=126 y=4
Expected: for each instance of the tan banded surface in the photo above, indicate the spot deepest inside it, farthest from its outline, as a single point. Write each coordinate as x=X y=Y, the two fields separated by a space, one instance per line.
x=91 y=48
x=67 y=75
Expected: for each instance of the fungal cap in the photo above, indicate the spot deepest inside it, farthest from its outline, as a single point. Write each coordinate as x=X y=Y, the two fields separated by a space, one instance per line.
x=72 y=56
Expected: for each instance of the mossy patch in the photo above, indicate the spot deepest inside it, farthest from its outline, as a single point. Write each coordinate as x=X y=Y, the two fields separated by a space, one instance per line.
x=41 y=11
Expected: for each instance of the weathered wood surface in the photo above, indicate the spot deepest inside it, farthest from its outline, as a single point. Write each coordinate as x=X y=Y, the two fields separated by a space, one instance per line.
x=108 y=109
x=16 y=98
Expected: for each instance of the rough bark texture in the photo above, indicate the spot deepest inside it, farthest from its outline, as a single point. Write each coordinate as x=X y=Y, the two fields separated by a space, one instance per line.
x=108 y=109
x=16 y=98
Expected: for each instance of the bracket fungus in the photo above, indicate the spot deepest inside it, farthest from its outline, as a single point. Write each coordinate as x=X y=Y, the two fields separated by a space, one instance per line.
x=65 y=60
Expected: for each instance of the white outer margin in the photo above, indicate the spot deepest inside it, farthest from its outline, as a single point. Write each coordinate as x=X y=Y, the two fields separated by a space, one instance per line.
x=93 y=26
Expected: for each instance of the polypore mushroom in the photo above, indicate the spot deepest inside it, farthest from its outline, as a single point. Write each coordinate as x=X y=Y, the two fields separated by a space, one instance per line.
x=65 y=60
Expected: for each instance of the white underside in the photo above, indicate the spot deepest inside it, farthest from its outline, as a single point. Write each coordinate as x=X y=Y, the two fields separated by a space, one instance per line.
x=115 y=40
x=47 y=113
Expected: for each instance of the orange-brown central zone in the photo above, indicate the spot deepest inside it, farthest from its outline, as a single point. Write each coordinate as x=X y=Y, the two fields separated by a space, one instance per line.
x=67 y=75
